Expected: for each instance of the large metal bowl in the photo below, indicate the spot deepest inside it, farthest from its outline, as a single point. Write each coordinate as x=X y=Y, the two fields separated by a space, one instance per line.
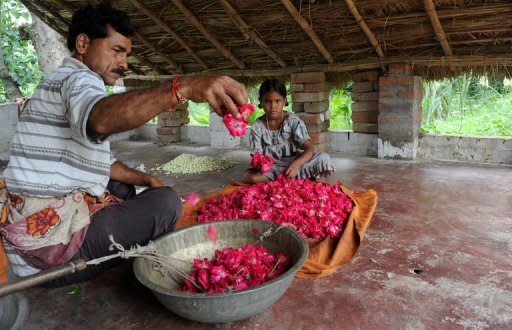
x=192 y=242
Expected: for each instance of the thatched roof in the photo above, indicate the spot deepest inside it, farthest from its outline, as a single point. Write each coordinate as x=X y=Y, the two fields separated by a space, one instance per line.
x=249 y=38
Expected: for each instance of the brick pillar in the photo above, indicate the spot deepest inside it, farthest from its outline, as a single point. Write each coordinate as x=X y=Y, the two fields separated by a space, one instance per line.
x=169 y=124
x=365 y=102
x=310 y=99
x=219 y=134
x=399 y=112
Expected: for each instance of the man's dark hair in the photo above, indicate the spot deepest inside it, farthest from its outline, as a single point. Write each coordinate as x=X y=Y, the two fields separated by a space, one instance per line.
x=93 y=21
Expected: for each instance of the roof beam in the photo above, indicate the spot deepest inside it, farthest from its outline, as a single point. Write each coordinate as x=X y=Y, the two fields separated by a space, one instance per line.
x=308 y=29
x=249 y=32
x=366 y=64
x=148 y=44
x=362 y=24
x=167 y=29
x=438 y=28
x=193 y=19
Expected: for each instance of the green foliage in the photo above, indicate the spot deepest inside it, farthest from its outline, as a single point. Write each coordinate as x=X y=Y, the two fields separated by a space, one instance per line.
x=19 y=54
x=467 y=105
x=340 y=109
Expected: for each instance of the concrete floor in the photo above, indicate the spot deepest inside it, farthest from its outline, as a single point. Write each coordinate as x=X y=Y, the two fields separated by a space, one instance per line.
x=438 y=255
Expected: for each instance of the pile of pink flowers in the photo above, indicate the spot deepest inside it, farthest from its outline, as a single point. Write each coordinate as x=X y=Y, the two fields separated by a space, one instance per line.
x=235 y=269
x=315 y=209
x=238 y=126
x=261 y=162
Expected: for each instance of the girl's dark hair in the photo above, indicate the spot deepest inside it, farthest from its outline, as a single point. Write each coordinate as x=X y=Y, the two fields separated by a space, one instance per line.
x=273 y=85
x=93 y=21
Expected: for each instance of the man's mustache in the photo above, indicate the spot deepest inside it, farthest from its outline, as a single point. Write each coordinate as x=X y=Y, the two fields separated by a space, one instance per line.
x=119 y=71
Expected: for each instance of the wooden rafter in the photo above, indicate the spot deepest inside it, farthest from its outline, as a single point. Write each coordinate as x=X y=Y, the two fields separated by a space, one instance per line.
x=438 y=28
x=249 y=33
x=366 y=64
x=362 y=24
x=207 y=34
x=308 y=29
x=167 y=29
x=149 y=45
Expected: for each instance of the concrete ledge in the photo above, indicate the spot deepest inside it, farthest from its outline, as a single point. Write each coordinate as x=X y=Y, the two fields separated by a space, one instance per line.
x=469 y=149
x=350 y=143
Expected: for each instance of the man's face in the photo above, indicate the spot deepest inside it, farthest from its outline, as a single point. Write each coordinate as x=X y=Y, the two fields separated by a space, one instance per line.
x=107 y=56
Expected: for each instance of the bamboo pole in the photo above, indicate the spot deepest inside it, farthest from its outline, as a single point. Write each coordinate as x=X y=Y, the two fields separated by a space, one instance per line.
x=165 y=57
x=167 y=29
x=308 y=29
x=207 y=34
x=438 y=28
x=249 y=33
x=362 y=24
x=365 y=64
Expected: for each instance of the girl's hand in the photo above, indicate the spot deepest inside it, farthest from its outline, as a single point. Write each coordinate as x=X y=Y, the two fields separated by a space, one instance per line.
x=292 y=171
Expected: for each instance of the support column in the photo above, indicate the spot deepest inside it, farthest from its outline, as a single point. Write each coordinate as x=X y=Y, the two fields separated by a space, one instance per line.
x=399 y=113
x=310 y=99
x=365 y=102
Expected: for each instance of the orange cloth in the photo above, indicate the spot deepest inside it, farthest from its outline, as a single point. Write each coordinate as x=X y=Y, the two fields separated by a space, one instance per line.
x=325 y=256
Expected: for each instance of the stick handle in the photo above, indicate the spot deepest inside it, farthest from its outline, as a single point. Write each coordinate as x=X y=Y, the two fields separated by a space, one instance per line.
x=44 y=276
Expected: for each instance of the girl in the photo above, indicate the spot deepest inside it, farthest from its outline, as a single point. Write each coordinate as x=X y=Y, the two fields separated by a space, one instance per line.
x=284 y=137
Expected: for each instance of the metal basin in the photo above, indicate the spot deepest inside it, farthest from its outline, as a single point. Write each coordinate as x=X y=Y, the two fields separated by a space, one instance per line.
x=192 y=242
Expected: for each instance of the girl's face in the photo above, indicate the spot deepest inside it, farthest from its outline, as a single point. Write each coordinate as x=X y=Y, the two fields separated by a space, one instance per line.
x=273 y=104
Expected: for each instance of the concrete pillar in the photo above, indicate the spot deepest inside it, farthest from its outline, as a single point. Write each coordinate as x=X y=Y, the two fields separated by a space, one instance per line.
x=399 y=119
x=310 y=97
x=365 y=102
x=219 y=134
x=169 y=124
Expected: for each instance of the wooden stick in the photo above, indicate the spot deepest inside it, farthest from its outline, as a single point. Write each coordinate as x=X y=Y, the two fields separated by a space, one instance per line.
x=308 y=29
x=362 y=24
x=145 y=62
x=207 y=34
x=438 y=28
x=249 y=33
x=167 y=29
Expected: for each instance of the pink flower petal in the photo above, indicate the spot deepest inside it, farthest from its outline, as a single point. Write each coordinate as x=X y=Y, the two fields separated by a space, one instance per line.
x=193 y=198
x=212 y=233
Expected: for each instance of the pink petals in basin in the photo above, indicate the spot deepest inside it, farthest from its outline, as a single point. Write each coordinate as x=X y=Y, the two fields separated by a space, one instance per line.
x=234 y=269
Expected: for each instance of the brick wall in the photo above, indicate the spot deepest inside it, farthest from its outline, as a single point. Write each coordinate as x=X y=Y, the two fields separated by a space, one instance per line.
x=310 y=101
x=169 y=124
x=365 y=102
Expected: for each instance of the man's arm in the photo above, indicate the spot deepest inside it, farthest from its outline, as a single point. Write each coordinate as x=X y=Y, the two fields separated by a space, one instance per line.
x=124 y=174
x=126 y=111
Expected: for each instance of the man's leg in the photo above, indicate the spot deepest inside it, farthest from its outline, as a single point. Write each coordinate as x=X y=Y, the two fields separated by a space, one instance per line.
x=138 y=220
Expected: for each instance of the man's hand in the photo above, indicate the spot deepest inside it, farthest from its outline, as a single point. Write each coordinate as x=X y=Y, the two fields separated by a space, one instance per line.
x=222 y=93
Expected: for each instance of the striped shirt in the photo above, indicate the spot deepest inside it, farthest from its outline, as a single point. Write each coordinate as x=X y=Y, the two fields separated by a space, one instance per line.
x=51 y=154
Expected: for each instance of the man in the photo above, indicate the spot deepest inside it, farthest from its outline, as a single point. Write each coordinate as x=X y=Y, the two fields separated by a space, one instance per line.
x=65 y=192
